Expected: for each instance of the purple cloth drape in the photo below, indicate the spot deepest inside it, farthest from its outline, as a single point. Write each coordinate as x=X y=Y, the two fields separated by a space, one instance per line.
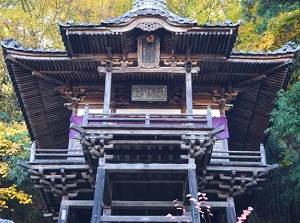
x=216 y=122
x=219 y=121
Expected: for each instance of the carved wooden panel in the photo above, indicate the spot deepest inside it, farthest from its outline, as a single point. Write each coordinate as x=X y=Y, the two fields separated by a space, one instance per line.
x=148 y=51
x=149 y=93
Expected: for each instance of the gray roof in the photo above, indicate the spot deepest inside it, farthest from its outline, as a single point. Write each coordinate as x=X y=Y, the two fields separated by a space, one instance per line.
x=5 y=221
x=289 y=47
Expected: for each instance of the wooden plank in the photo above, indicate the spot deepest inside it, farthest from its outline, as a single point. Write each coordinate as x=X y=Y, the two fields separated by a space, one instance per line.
x=238 y=163
x=188 y=93
x=153 y=166
x=57 y=161
x=146 y=219
x=217 y=130
x=63 y=212
x=78 y=203
x=146 y=132
x=192 y=178
x=58 y=155
x=236 y=168
x=32 y=151
x=235 y=152
x=151 y=120
x=209 y=116
x=107 y=91
x=235 y=157
x=230 y=211
x=98 y=196
x=143 y=204
x=136 y=204
x=24 y=164
x=141 y=126
x=145 y=142
x=57 y=150
x=144 y=115
x=263 y=154
x=60 y=166
x=85 y=115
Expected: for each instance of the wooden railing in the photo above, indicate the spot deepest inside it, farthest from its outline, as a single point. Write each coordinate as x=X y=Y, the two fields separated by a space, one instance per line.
x=90 y=118
x=239 y=157
x=55 y=156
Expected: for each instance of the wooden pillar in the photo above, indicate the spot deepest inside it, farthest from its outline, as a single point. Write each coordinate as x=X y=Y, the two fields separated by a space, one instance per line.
x=209 y=116
x=63 y=212
x=32 y=151
x=188 y=88
x=230 y=211
x=98 y=196
x=263 y=154
x=194 y=194
x=107 y=90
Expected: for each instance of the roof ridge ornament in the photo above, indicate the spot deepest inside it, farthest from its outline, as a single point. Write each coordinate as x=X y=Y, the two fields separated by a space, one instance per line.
x=152 y=8
x=150 y=3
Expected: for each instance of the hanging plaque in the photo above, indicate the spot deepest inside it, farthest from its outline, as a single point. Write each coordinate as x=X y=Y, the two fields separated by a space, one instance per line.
x=149 y=93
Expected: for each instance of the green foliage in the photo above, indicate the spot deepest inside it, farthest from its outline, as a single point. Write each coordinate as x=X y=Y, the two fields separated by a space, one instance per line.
x=207 y=10
x=268 y=24
x=286 y=121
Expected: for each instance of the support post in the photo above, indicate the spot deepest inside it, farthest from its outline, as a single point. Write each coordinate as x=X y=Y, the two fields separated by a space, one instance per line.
x=188 y=89
x=32 y=151
x=209 y=116
x=63 y=211
x=98 y=197
x=107 y=90
x=230 y=211
x=85 y=115
x=194 y=194
x=263 y=154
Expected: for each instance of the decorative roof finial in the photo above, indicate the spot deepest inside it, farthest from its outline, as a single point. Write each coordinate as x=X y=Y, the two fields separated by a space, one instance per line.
x=149 y=3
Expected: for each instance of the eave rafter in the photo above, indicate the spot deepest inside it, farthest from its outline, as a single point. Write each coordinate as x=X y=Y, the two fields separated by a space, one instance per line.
x=35 y=73
x=264 y=75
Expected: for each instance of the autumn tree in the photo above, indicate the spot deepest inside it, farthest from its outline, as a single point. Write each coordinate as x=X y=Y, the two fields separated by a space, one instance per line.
x=267 y=25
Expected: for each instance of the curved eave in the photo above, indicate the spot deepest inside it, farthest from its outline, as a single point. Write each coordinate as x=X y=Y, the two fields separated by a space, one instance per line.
x=43 y=109
x=202 y=39
x=260 y=75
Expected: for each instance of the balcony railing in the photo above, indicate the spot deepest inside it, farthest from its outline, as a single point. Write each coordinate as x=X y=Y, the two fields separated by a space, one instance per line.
x=90 y=118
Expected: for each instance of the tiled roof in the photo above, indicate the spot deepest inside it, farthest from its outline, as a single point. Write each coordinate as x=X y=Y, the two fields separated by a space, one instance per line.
x=289 y=47
x=14 y=44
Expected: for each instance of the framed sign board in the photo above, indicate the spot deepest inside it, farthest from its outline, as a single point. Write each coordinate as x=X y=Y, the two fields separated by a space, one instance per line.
x=149 y=93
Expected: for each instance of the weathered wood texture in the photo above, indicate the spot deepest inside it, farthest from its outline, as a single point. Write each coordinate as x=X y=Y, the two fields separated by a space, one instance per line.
x=98 y=196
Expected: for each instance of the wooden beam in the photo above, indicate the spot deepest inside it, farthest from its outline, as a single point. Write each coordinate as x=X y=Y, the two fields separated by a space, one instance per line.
x=32 y=151
x=46 y=78
x=143 y=204
x=137 y=70
x=63 y=212
x=252 y=80
x=188 y=88
x=146 y=219
x=230 y=211
x=98 y=196
x=142 y=166
x=192 y=178
x=263 y=154
x=107 y=90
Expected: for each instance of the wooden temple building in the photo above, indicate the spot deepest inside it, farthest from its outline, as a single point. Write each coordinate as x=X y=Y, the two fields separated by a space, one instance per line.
x=141 y=113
